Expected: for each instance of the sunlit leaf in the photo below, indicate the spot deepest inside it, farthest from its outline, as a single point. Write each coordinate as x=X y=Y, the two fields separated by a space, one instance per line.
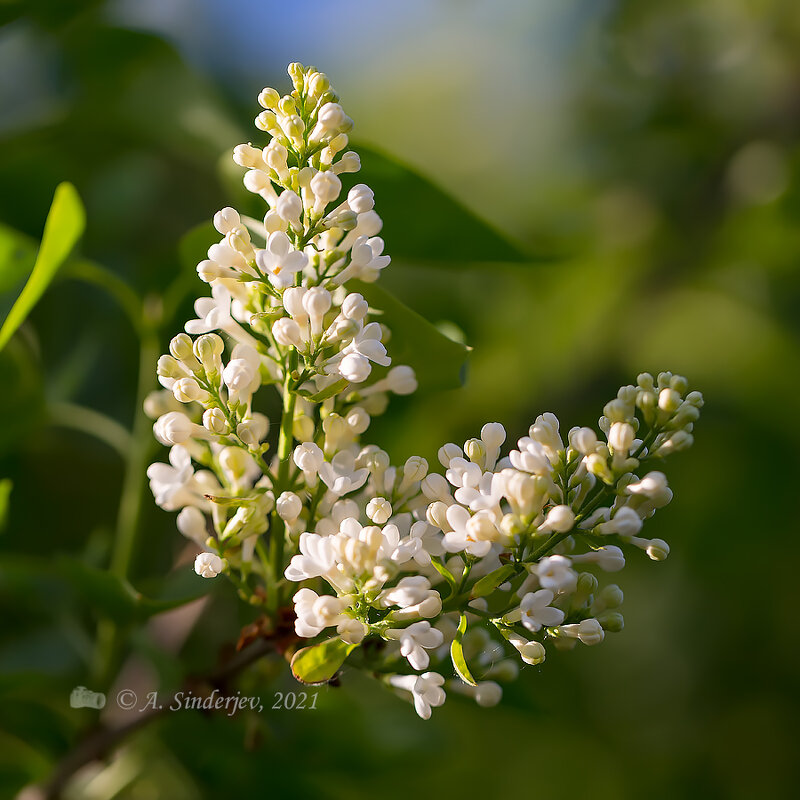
x=64 y=225
x=488 y=583
x=457 y=653
x=320 y=662
x=5 y=494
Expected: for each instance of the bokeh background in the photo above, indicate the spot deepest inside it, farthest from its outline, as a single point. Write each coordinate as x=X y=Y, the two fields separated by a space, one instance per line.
x=637 y=166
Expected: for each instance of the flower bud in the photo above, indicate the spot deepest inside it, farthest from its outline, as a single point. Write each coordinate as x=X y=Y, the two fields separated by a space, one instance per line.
x=208 y=348
x=208 y=565
x=187 y=390
x=349 y=162
x=234 y=461
x=620 y=437
x=355 y=368
x=254 y=430
x=288 y=506
x=584 y=440
x=361 y=198
x=559 y=519
x=215 y=422
x=268 y=98
x=669 y=400
x=357 y=420
x=354 y=306
x=303 y=428
x=174 y=428
x=287 y=333
x=379 y=510
x=181 y=347
x=611 y=621
x=308 y=457
x=192 y=524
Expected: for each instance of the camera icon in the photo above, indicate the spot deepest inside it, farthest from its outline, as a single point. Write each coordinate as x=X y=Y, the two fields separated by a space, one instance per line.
x=81 y=697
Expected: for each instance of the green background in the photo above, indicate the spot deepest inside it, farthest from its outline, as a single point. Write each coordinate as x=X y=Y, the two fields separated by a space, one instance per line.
x=637 y=165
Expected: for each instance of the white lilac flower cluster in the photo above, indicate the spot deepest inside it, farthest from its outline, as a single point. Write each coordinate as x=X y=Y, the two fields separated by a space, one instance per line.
x=409 y=574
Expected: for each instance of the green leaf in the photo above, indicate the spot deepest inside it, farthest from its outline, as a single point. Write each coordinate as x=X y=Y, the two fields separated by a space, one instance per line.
x=113 y=597
x=5 y=494
x=488 y=583
x=457 y=653
x=415 y=212
x=446 y=574
x=62 y=229
x=320 y=662
x=439 y=362
x=330 y=391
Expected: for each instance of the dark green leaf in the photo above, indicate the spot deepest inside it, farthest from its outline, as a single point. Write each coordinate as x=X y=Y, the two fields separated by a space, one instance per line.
x=320 y=662
x=457 y=653
x=417 y=213
x=488 y=583
x=64 y=225
x=113 y=597
x=439 y=362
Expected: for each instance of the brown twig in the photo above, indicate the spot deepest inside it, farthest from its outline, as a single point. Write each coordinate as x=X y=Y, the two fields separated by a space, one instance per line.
x=101 y=741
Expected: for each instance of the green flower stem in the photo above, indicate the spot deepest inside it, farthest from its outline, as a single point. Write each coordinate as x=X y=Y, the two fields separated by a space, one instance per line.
x=285 y=441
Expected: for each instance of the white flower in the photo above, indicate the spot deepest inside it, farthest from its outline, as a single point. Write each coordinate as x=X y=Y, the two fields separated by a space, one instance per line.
x=588 y=631
x=316 y=558
x=208 y=565
x=463 y=536
x=170 y=483
x=367 y=343
x=531 y=457
x=413 y=594
x=214 y=314
x=414 y=640
x=352 y=631
x=420 y=544
x=555 y=574
x=280 y=261
x=341 y=476
x=537 y=611
x=426 y=690
x=315 y=612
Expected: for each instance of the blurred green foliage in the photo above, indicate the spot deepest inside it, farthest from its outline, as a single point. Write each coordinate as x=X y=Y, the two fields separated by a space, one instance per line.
x=678 y=250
